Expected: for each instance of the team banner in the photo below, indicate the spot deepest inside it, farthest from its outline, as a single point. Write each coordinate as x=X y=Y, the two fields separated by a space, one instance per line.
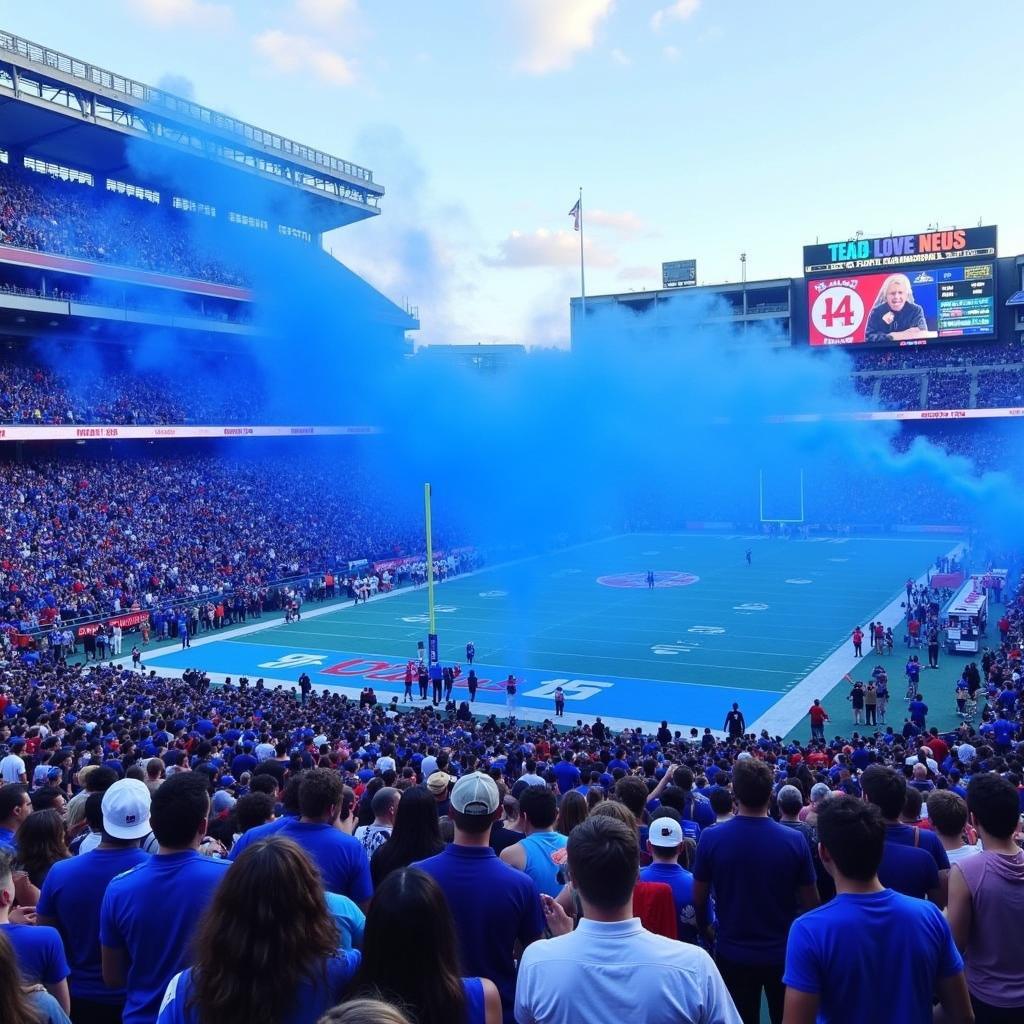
x=902 y=307
x=127 y=621
x=71 y=432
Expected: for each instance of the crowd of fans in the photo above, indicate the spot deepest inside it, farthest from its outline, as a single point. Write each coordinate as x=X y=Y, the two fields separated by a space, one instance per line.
x=1001 y=388
x=71 y=218
x=177 y=853
x=949 y=375
x=937 y=357
x=951 y=391
x=81 y=537
x=105 y=394
x=98 y=294
x=900 y=392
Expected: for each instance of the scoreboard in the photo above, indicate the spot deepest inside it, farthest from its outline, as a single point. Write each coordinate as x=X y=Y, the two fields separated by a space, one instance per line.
x=902 y=290
x=966 y=301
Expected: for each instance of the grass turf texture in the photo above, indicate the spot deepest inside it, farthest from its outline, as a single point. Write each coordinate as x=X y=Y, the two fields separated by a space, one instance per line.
x=682 y=652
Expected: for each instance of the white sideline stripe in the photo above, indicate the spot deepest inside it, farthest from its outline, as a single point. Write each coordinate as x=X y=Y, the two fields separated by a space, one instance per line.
x=787 y=713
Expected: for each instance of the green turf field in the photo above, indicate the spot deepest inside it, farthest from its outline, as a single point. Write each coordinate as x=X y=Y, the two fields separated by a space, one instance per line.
x=683 y=652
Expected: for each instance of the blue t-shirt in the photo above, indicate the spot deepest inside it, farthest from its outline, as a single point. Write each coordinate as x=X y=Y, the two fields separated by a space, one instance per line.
x=926 y=840
x=351 y=921
x=700 y=810
x=151 y=912
x=476 y=1007
x=254 y=835
x=7 y=843
x=681 y=883
x=755 y=866
x=314 y=997
x=876 y=956
x=908 y=871
x=340 y=858
x=71 y=896
x=567 y=775
x=494 y=906
x=1003 y=730
x=48 y=1010
x=39 y=951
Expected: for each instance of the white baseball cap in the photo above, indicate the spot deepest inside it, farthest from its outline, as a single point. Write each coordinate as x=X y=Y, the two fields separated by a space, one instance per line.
x=126 y=810
x=665 y=832
x=475 y=793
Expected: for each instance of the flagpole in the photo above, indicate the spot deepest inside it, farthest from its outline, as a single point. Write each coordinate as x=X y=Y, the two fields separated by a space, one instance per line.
x=583 y=288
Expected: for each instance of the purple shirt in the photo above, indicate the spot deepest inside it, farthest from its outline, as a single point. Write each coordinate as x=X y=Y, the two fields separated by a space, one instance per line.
x=996 y=884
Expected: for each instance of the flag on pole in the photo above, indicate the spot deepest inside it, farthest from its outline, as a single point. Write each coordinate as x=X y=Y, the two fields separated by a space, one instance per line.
x=575 y=213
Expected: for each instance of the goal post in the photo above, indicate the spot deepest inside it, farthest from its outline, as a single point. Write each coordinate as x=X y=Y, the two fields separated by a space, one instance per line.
x=781 y=496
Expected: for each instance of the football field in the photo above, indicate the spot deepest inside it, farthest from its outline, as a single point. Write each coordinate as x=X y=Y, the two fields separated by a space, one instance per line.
x=771 y=634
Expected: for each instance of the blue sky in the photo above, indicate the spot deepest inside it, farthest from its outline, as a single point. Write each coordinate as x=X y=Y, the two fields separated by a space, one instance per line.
x=697 y=128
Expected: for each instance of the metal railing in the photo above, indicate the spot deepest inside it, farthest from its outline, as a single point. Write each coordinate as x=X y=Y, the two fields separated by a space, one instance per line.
x=140 y=93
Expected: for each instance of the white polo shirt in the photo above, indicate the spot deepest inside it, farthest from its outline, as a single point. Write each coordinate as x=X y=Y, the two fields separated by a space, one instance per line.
x=607 y=973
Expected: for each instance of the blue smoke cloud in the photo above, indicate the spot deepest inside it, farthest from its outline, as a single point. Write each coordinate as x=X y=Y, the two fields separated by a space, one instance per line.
x=564 y=445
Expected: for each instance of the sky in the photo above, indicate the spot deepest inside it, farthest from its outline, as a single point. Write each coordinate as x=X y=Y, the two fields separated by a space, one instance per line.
x=696 y=129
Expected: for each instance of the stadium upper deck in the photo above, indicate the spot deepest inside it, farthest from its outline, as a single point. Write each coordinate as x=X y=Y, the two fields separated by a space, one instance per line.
x=125 y=209
x=64 y=110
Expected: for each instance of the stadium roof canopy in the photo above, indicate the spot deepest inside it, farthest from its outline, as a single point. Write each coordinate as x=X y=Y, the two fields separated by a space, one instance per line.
x=63 y=110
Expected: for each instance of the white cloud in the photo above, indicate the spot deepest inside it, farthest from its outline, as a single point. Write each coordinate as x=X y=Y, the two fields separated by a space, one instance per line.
x=681 y=10
x=293 y=53
x=325 y=13
x=543 y=248
x=671 y=52
x=620 y=58
x=555 y=31
x=184 y=13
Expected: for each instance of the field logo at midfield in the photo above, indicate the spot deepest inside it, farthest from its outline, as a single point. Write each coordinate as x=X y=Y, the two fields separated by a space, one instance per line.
x=638 y=580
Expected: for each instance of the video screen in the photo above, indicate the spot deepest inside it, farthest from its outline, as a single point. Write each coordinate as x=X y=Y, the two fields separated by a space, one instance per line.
x=904 y=306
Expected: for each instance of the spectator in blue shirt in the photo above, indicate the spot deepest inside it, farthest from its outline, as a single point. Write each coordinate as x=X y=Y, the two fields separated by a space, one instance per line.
x=1003 y=731
x=149 y=914
x=15 y=807
x=870 y=953
x=918 y=711
x=495 y=907
x=266 y=948
x=763 y=876
x=339 y=858
x=665 y=842
x=19 y=1005
x=73 y=893
x=566 y=773
x=541 y=851
x=887 y=790
x=38 y=949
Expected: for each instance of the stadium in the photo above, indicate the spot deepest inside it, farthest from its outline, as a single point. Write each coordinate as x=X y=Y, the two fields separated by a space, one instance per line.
x=251 y=530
